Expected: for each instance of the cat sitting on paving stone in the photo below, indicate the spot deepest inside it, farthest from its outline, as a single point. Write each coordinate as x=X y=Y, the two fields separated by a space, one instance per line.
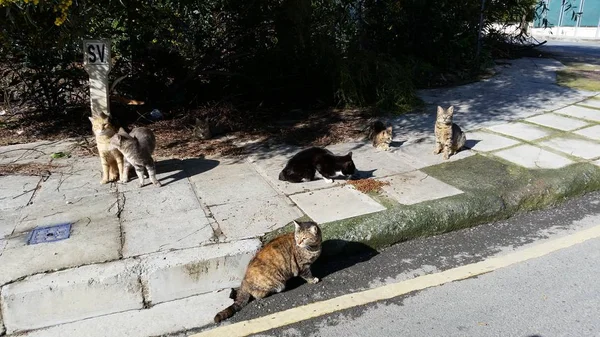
x=111 y=159
x=283 y=258
x=303 y=166
x=137 y=147
x=380 y=135
x=448 y=136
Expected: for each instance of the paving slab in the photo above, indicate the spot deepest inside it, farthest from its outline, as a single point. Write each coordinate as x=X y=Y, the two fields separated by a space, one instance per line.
x=71 y=295
x=533 y=157
x=151 y=201
x=521 y=131
x=70 y=187
x=168 y=171
x=592 y=102
x=8 y=222
x=183 y=273
x=16 y=191
x=558 y=122
x=592 y=132
x=372 y=162
x=161 y=319
x=486 y=142
x=254 y=217
x=415 y=187
x=420 y=154
x=580 y=112
x=270 y=169
x=582 y=148
x=83 y=210
x=181 y=230
x=336 y=203
x=98 y=240
x=231 y=183
x=2 y=328
x=20 y=153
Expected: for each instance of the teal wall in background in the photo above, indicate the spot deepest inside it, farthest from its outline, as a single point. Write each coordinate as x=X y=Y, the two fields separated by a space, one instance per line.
x=589 y=18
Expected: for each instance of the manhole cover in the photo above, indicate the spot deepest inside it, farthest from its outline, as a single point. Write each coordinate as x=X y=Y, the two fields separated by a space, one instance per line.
x=49 y=234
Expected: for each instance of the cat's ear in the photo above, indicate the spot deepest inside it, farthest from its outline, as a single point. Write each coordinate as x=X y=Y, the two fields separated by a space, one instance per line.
x=314 y=229
x=296 y=226
x=349 y=155
x=451 y=110
x=91 y=119
x=440 y=110
x=389 y=129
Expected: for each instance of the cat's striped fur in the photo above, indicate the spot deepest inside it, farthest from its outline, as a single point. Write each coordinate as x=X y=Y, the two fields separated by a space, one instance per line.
x=286 y=256
x=448 y=136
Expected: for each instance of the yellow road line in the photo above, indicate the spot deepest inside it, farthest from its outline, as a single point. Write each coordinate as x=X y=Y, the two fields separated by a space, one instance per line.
x=317 y=309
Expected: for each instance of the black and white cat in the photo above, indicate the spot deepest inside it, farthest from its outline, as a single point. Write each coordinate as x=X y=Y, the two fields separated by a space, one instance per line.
x=303 y=166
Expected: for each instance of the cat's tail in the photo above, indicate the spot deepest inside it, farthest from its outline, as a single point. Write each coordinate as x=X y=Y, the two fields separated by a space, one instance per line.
x=462 y=141
x=242 y=298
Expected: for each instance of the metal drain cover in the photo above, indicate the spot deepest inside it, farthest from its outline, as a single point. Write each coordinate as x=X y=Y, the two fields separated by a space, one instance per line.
x=49 y=234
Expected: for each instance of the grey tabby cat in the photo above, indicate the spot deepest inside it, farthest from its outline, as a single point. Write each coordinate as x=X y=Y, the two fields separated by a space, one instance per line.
x=137 y=148
x=448 y=136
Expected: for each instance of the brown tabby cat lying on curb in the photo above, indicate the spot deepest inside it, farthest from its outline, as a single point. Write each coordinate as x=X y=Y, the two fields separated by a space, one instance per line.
x=137 y=147
x=286 y=256
x=304 y=165
x=448 y=136
x=380 y=135
x=111 y=159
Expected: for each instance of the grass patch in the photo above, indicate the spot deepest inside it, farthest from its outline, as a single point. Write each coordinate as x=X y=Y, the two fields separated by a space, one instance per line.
x=580 y=76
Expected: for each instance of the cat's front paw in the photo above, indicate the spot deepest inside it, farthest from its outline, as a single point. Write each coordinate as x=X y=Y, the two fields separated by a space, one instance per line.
x=313 y=280
x=446 y=156
x=157 y=184
x=327 y=180
x=104 y=181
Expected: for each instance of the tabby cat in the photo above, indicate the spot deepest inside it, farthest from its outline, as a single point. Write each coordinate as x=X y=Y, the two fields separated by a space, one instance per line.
x=380 y=135
x=110 y=158
x=286 y=256
x=448 y=136
x=137 y=148
x=304 y=165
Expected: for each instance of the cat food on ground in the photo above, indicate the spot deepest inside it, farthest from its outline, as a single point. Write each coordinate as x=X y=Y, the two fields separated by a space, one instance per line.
x=368 y=185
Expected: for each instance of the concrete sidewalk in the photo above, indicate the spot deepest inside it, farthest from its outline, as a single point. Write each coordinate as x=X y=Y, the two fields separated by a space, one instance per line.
x=151 y=261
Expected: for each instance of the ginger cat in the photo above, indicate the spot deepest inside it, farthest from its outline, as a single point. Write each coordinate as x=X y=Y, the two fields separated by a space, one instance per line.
x=110 y=158
x=286 y=256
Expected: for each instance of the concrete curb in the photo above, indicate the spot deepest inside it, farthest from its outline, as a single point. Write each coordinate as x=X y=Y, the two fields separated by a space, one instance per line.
x=493 y=190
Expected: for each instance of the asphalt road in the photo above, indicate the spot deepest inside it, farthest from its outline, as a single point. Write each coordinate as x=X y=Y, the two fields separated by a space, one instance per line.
x=586 y=52
x=557 y=294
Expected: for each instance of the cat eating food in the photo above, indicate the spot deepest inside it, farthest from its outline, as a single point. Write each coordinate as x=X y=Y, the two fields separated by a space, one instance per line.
x=380 y=135
x=448 y=136
x=303 y=166
x=286 y=256
x=110 y=158
x=137 y=148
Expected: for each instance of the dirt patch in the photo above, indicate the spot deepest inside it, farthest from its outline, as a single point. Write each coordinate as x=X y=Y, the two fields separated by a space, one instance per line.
x=368 y=185
x=29 y=169
x=175 y=138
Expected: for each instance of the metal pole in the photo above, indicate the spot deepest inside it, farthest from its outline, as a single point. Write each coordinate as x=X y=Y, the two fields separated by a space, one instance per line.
x=598 y=28
x=480 y=29
x=579 y=14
